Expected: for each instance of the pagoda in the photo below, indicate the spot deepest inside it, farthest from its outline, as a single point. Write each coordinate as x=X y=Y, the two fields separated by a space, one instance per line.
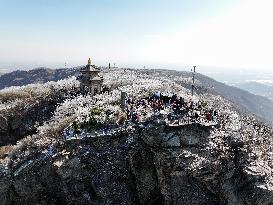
x=90 y=79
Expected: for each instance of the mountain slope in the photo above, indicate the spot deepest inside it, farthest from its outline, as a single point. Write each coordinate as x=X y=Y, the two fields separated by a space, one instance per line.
x=246 y=101
x=255 y=104
x=80 y=155
x=257 y=88
x=259 y=105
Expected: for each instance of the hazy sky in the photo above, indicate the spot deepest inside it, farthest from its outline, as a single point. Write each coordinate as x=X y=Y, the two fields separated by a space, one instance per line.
x=217 y=33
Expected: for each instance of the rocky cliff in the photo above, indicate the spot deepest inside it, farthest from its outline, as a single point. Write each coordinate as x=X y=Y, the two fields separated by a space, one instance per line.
x=154 y=164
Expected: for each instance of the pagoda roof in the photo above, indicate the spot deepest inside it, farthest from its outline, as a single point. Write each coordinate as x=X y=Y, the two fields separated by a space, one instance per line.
x=97 y=78
x=90 y=68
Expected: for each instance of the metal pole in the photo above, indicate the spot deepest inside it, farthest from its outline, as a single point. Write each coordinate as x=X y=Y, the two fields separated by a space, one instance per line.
x=123 y=100
x=193 y=80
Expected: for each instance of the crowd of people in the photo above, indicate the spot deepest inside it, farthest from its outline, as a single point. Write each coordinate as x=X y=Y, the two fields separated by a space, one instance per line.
x=177 y=109
x=173 y=109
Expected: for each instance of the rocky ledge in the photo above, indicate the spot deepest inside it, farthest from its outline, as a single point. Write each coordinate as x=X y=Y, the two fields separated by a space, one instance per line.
x=150 y=164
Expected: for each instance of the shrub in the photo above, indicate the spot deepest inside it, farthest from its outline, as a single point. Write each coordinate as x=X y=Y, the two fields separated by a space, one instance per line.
x=96 y=111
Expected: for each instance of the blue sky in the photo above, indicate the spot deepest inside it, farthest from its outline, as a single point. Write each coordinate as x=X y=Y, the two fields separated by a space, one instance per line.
x=113 y=16
x=170 y=33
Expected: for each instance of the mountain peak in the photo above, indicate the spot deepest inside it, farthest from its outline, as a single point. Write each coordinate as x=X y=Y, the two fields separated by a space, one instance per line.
x=166 y=146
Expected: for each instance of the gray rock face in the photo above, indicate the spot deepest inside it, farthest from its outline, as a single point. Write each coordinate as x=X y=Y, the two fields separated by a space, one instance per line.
x=3 y=124
x=172 y=140
x=159 y=165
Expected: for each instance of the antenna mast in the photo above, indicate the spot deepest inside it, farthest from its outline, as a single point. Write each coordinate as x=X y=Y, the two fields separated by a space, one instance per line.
x=193 y=80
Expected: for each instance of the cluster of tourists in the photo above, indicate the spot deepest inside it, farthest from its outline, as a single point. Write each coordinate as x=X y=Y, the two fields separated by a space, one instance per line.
x=177 y=109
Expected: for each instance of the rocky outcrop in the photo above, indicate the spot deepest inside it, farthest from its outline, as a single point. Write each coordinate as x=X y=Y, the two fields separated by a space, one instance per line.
x=151 y=164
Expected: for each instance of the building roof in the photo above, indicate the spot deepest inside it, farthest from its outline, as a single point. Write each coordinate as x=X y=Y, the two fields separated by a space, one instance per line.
x=97 y=78
x=90 y=68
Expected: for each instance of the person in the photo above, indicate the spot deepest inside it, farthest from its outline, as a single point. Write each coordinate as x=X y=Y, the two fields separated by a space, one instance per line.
x=182 y=101
x=76 y=127
x=127 y=111
x=196 y=116
x=215 y=114
x=157 y=94
x=199 y=105
x=121 y=118
x=175 y=107
x=191 y=104
x=211 y=115
x=138 y=117
x=208 y=116
x=134 y=117
x=179 y=106
x=173 y=98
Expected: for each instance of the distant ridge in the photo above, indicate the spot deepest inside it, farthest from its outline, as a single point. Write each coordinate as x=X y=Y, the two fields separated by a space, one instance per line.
x=257 y=88
x=37 y=75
